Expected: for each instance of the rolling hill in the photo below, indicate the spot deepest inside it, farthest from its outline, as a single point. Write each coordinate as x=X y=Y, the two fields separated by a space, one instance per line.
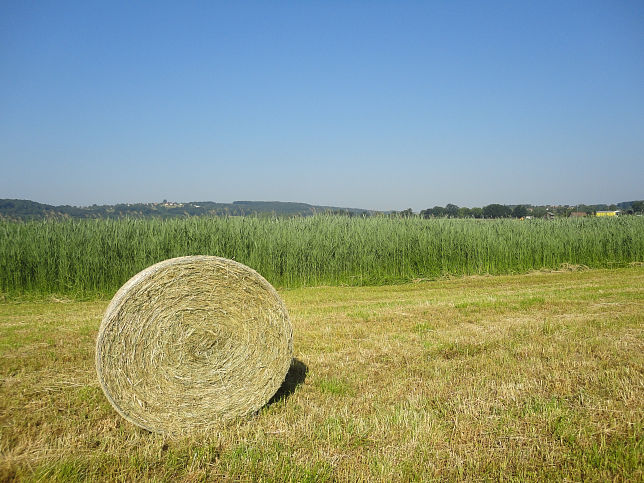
x=13 y=209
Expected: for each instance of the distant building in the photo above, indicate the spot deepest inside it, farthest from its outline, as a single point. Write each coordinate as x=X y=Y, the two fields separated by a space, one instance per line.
x=608 y=213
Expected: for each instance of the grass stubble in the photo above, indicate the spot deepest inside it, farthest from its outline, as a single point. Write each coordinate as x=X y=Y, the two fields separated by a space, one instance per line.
x=507 y=377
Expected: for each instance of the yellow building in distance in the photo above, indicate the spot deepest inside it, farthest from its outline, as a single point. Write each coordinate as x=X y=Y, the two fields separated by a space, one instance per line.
x=607 y=213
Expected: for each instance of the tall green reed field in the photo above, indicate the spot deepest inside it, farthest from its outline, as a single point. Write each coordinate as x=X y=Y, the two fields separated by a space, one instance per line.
x=95 y=257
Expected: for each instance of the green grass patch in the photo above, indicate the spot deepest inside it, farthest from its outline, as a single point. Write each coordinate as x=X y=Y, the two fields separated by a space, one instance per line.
x=84 y=258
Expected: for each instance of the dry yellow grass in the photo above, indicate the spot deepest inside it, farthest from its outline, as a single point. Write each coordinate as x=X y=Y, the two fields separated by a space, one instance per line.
x=514 y=377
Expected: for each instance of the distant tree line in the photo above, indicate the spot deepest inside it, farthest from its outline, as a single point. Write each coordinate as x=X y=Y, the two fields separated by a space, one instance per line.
x=496 y=210
x=493 y=210
x=637 y=206
x=29 y=210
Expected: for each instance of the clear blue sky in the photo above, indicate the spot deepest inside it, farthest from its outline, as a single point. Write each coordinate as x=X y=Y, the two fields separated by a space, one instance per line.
x=382 y=105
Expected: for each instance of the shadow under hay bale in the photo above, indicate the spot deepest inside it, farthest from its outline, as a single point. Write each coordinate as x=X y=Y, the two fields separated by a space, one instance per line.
x=192 y=341
x=295 y=376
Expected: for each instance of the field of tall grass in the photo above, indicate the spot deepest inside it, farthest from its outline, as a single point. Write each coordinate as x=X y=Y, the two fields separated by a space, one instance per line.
x=98 y=256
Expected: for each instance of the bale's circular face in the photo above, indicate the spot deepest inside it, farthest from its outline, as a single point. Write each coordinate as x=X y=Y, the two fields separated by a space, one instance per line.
x=191 y=341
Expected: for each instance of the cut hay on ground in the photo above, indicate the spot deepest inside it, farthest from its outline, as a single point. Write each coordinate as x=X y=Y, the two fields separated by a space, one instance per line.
x=192 y=341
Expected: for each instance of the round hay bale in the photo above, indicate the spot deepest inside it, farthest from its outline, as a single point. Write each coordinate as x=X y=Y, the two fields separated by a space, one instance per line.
x=192 y=341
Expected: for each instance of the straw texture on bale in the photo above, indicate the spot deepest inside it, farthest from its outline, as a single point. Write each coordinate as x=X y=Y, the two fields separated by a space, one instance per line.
x=192 y=341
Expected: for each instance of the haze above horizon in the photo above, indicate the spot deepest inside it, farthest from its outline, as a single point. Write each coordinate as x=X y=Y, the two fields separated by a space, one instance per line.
x=377 y=105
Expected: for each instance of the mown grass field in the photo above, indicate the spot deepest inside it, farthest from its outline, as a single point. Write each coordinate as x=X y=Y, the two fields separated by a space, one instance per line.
x=515 y=377
x=95 y=257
